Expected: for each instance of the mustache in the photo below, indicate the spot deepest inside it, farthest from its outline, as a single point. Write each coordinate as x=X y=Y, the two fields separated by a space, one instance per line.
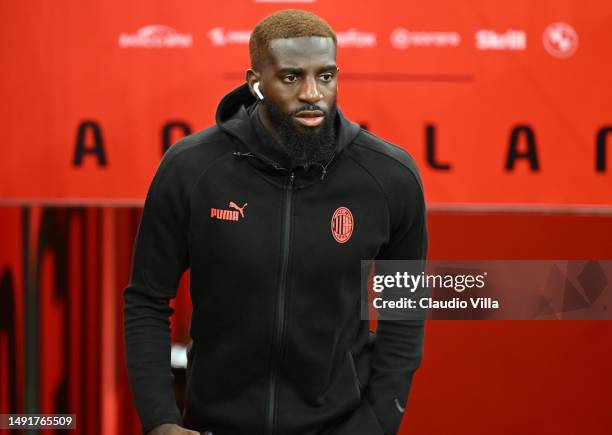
x=310 y=107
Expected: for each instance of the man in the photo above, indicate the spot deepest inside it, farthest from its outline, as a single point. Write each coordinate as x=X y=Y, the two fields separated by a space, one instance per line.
x=272 y=209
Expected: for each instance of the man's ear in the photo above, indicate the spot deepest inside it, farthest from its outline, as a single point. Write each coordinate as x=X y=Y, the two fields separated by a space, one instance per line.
x=252 y=77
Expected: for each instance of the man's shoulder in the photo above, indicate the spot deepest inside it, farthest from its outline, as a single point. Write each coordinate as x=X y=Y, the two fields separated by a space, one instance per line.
x=206 y=141
x=195 y=150
x=184 y=162
x=382 y=156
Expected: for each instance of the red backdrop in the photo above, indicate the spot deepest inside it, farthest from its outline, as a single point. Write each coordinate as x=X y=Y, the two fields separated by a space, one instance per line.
x=91 y=95
x=477 y=73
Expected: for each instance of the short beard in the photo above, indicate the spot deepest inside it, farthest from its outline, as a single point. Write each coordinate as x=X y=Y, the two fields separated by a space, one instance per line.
x=304 y=145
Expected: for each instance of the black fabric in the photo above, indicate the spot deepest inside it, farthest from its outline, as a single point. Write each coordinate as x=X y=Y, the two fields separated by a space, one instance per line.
x=278 y=346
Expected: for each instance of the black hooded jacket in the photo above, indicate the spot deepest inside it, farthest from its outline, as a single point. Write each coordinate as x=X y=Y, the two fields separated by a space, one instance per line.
x=279 y=347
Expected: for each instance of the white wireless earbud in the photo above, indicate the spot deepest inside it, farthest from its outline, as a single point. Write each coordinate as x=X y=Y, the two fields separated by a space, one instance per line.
x=257 y=91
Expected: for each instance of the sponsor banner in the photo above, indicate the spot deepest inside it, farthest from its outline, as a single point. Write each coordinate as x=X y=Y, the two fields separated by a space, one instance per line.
x=513 y=40
x=220 y=37
x=402 y=38
x=487 y=290
x=499 y=104
x=155 y=36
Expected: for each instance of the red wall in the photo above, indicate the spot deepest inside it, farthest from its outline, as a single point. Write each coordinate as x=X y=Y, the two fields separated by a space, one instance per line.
x=515 y=377
x=70 y=71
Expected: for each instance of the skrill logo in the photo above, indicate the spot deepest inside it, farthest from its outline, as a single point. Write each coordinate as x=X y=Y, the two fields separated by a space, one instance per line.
x=510 y=40
x=355 y=38
x=220 y=37
x=402 y=38
x=155 y=36
x=560 y=40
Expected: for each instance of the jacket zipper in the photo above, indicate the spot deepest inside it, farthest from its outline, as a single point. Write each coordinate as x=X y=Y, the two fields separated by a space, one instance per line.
x=280 y=312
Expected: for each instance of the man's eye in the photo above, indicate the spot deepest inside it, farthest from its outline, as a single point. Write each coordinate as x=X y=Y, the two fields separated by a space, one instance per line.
x=290 y=78
x=327 y=77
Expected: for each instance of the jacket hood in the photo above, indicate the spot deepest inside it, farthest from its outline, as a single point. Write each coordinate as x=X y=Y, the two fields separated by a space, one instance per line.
x=232 y=117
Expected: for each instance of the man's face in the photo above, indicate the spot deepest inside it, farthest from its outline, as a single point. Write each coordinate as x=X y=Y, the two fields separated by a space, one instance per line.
x=299 y=83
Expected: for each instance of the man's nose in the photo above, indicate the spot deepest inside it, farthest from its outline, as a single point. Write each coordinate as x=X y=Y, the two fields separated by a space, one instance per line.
x=309 y=91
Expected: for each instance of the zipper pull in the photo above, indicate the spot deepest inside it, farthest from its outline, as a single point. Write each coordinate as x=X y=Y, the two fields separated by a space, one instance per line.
x=323 y=172
x=291 y=179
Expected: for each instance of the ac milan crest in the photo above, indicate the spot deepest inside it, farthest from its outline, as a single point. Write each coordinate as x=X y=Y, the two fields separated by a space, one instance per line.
x=342 y=224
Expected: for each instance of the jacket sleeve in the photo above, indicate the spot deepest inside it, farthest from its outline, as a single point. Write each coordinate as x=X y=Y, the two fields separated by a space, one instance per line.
x=398 y=347
x=160 y=257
